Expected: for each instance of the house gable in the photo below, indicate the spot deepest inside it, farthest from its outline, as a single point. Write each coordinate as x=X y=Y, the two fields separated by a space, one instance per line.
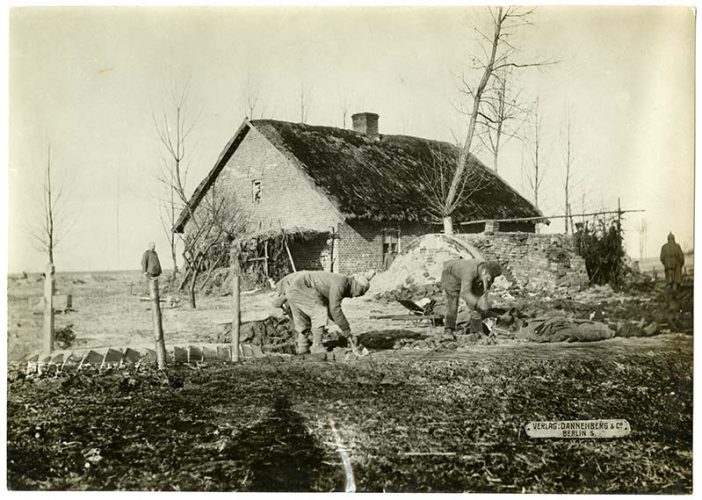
x=271 y=191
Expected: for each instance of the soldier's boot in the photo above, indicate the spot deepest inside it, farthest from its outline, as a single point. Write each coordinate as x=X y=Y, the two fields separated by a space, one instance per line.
x=476 y=323
x=317 y=345
x=303 y=344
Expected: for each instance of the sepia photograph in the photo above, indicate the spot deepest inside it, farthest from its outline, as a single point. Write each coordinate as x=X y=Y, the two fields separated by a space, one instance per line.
x=439 y=248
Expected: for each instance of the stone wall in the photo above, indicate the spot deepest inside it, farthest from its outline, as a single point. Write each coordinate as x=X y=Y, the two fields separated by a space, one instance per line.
x=535 y=261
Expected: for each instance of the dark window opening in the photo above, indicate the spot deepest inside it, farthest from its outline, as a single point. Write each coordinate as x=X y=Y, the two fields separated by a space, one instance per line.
x=391 y=246
x=256 y=191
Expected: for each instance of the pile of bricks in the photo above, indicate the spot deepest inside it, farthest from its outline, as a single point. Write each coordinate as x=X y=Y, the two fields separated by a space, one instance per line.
x=112 y=357
x=101 y=359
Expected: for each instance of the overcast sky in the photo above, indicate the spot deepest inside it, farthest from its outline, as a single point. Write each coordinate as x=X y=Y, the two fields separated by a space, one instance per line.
x=87 y=80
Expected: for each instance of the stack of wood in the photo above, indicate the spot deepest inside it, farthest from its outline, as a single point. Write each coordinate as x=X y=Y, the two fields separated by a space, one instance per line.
x=273 y=334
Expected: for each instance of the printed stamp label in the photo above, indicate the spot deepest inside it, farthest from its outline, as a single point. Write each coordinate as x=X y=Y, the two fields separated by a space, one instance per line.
x=587 y=429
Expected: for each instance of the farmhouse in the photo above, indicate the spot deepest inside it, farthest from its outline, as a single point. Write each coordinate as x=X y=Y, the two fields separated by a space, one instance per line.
x=349 y=199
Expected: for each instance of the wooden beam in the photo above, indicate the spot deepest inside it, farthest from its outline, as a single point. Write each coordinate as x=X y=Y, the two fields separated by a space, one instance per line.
x=236 y=304
x=544 y=217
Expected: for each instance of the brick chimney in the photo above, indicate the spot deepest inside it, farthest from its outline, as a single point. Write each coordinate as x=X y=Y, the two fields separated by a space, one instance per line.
x=366 y=123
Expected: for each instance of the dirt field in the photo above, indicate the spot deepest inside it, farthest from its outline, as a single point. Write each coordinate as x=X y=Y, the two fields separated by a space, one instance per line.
x=409 y=419
x=108 y=312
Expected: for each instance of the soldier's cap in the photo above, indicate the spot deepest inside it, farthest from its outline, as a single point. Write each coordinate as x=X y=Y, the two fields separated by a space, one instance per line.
x=363 y=280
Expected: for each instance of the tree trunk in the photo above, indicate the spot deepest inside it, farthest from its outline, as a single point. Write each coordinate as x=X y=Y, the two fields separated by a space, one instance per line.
x=193 y=282
x=236 y=320
x=448 y=225
x=49 y=309
x=175 y=261
x=158 y=325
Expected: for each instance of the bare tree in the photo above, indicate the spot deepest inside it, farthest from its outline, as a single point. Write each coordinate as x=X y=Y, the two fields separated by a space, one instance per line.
x=53 y=225
x=566 y=183
x=304 y=102
x=214 y=222
x=251 y=95
x=211 y=229
x=643 y=230
x=436 y=173
x=344 y=105
x=47 y=235
x=502 y=114
x=173 y=129
x=535 y=176
x=499 y=54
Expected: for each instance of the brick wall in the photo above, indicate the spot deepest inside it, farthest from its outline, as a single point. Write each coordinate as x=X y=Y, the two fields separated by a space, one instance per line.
x=312 y=254
x=533 y=260
x=288 y=199
x=361 y=243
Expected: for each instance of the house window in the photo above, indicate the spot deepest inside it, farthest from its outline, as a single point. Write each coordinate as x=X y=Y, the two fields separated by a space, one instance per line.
x=256 y=191
x=391 y=246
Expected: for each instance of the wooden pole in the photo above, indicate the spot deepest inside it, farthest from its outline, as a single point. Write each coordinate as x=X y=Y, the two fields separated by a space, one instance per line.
x=287 y=249
x=49 y=309
x=158 y=325
x=236 y=303
x=265 y=262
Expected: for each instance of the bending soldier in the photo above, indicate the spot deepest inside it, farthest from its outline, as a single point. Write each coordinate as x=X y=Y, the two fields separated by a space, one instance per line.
x=314 y=296
x=470 y=280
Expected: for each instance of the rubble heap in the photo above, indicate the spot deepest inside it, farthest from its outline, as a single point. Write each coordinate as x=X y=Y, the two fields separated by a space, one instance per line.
x=421 y=262
x=543 y=262
x=531 y=263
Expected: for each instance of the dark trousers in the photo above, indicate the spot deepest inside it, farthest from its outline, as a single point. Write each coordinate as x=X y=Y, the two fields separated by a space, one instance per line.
x=451 y=310
x=476 y=322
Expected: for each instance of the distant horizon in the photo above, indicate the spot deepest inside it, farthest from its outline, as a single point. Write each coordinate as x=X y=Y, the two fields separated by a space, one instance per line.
x=170 y=269
x=88 y=81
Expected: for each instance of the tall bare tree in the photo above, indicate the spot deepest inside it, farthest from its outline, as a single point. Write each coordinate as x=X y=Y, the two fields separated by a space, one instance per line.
x=304 y=102
x=502 y=114
x=499 y=54
x=174 y=128
x=535 y=175
x=566 y=183
x=53 y=225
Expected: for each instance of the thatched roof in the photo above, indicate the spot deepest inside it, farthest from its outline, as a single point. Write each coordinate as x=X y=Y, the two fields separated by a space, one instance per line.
x=389 y=178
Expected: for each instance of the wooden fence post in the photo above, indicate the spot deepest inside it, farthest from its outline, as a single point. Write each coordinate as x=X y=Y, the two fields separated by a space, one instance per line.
x=49 y=309
x=158 y=325
x=236 y=303
x=287 y=249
